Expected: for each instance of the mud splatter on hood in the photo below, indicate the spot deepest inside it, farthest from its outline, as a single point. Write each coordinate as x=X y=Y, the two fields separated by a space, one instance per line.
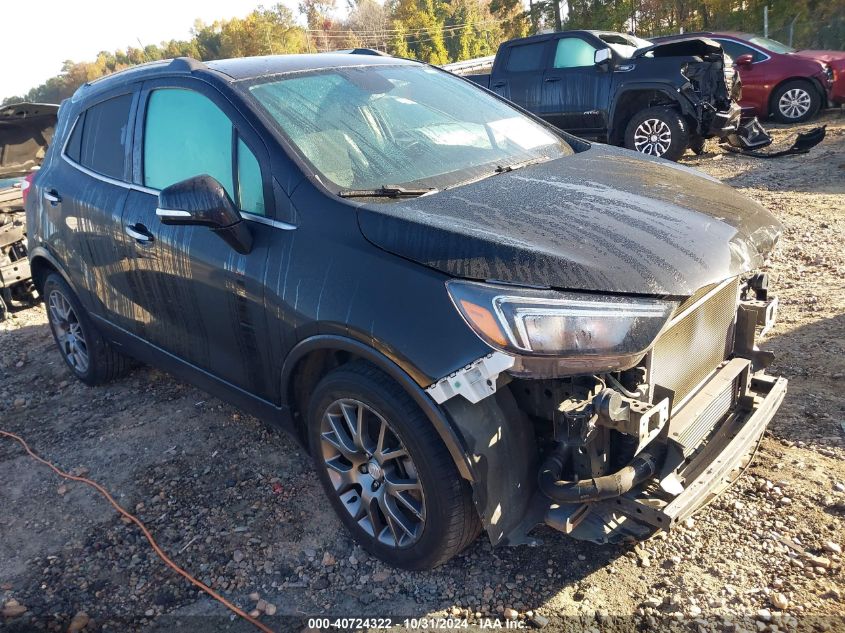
x=604 y=220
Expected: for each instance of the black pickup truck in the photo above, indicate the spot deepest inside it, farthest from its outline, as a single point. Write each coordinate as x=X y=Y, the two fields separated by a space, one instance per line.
x=658 y=99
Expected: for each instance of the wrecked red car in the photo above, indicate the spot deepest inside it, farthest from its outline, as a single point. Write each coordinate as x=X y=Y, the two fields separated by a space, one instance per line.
x=777 y=81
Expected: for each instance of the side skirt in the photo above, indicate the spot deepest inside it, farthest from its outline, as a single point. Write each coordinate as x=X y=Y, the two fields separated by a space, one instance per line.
x=138 y=348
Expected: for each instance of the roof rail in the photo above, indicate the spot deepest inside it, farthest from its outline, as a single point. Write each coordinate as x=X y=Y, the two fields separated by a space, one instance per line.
x=179 y=65
x=186 y=64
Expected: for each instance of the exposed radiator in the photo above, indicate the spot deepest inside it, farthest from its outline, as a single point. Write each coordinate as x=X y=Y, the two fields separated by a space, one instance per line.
x=699 y=337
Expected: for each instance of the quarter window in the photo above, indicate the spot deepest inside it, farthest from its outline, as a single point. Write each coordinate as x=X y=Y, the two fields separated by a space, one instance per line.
x=250 y=189
x=187 y=135
x=526 y=57
x=572 y=52
x=100 y=137
x=74 y=145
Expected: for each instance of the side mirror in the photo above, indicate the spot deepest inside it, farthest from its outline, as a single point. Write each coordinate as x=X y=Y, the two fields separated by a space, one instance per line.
x=744 y=60
x=602 y=56
x=202 y=201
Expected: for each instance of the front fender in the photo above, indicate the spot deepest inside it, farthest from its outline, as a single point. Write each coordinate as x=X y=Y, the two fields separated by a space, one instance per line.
x=666 y=89
x=451 y=437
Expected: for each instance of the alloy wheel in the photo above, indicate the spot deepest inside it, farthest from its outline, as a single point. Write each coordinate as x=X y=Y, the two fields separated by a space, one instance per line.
x=794 y=103
x=68 y=330
x=372 y=473
x=653 y=137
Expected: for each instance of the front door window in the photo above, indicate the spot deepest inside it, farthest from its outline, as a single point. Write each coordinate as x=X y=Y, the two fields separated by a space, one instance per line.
x=187 y=135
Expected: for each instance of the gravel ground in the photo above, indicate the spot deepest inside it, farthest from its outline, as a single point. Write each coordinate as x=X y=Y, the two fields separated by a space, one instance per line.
x=240 y=508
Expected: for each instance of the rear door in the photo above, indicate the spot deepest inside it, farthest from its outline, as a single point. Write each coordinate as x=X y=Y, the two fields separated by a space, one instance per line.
x=575 y=90
x=203 y=302
x=84 y=193
x=521 y=77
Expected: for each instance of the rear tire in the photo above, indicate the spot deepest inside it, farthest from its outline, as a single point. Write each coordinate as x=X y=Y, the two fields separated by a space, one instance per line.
x=88 y=355
x=659 y=131
x=350 y=409
x=795 y=101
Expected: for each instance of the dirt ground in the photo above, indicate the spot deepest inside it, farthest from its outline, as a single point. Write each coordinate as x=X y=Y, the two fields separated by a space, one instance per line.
x=240 y=508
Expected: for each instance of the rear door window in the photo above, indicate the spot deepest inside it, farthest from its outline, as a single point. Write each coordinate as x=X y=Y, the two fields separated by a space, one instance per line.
x=101 y=135
x=526 y=57
x=186 y=135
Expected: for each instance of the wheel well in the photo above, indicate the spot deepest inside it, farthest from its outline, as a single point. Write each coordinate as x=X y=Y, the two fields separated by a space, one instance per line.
x=306 y=374
x=804 y=80
x=41 y=267
x=632 y=102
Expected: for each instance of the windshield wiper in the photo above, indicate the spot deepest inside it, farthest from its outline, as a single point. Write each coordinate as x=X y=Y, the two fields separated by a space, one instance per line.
x=501 y=169
x=385 y=191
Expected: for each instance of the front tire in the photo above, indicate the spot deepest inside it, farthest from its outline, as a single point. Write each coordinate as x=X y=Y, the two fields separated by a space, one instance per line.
x=88 y=355
x=660 y=131
x=795 y=102
x=386 y=471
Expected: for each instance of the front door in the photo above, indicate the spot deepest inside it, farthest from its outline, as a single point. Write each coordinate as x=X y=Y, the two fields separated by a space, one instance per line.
x=575 y=89
x=755 y=76
x=202 y=301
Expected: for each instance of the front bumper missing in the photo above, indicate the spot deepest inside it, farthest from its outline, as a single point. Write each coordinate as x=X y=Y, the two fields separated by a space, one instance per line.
x=728 y=127
x=710 y=440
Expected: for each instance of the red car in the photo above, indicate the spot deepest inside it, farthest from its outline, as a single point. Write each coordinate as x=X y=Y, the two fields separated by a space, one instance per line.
x=777 y=80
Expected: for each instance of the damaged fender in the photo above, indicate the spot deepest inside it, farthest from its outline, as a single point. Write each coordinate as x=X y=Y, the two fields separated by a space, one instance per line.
x=500 y=443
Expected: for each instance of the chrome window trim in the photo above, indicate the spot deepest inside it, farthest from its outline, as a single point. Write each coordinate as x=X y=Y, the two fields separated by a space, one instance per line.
x=246 y=215
x=261 y=219
x=108 y=179
x=745 y=43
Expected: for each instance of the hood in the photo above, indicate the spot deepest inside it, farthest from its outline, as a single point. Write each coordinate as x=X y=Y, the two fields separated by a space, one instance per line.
x=823 y=56
x=26 y=130
x=604 y=220
x=683 y=47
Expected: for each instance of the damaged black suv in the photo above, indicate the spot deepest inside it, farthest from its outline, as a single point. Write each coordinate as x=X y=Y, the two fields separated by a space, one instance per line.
x=472 y=320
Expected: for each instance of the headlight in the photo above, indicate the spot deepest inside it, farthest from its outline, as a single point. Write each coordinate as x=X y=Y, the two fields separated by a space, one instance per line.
x=828 y=71
x=585 y=333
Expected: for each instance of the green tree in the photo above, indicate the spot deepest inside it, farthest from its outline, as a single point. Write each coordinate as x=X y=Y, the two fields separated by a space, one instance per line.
x=399 y=41
x=471 y=31
x=424 y=20
x=512 y=17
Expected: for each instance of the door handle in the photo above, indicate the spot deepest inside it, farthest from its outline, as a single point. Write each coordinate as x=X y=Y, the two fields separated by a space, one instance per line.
x=139 y=233
x=52 y=196
x=498 y=84
x=549 y=80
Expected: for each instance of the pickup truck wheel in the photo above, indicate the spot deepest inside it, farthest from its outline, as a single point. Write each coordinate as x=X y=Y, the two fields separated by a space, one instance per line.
x=659 y=131
x=88 y=355
x=795 y=102
x=385 y=470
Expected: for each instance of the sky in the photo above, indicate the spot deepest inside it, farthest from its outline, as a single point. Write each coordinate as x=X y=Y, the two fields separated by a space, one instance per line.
x=38 y=36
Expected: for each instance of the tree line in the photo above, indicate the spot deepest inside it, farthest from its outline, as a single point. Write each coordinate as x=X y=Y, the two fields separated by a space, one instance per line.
x=441 y=31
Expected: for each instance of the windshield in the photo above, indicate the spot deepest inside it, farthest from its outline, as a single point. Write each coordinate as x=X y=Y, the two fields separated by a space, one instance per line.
x=772 y=45
x=405 y=125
